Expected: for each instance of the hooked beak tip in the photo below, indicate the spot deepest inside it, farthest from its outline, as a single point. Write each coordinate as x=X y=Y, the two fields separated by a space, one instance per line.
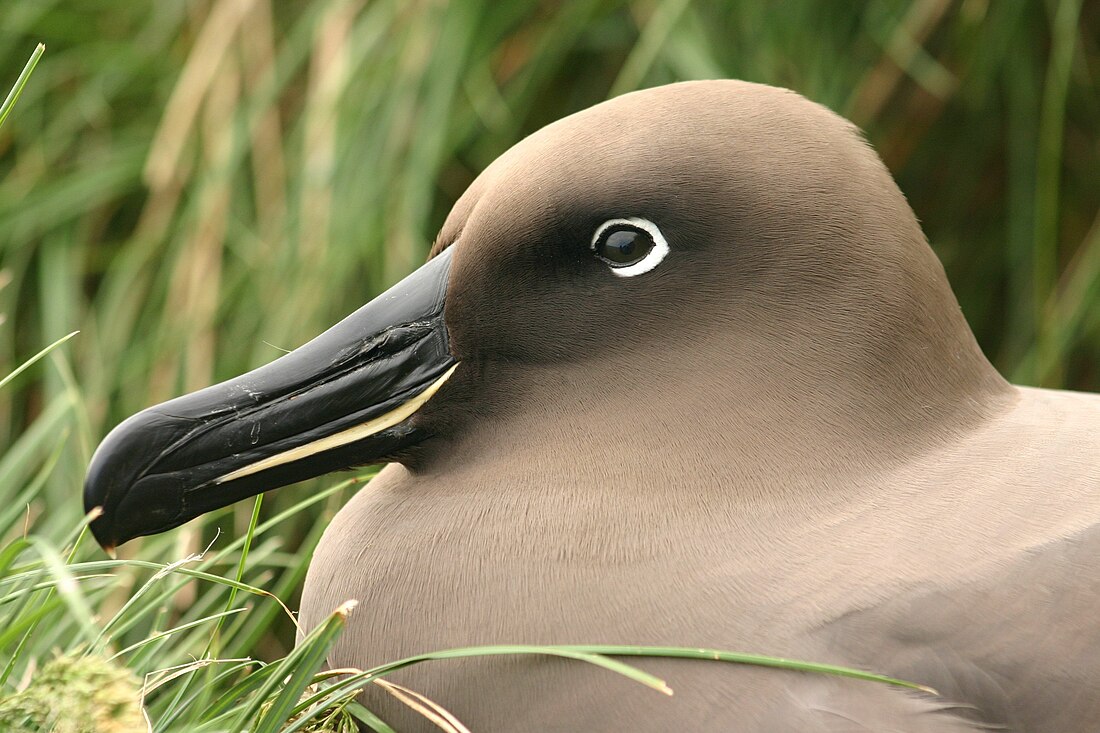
x=93 y=515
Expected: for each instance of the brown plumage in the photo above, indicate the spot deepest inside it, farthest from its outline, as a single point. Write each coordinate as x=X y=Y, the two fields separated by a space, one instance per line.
x=776 y=434
x=784 y=439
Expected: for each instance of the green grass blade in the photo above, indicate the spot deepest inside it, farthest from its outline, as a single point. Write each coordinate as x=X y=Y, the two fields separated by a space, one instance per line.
x=230 y=699
x=758 y=660
x=17 y=89
x=304 y=661
x=245 y=547
x=577 y=653
x=363 y=715
x=67 y=587
x=30 y=362
x=162 y=635
x=597 y=654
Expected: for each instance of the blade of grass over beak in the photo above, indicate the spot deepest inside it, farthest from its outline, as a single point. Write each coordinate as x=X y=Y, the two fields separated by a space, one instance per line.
x=30 y=362
x=17 y=89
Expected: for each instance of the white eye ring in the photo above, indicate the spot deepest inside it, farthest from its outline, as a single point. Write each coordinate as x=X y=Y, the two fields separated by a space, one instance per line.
x=647 y=263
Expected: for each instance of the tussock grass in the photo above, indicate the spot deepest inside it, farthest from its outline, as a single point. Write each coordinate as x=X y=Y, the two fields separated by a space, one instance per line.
x=195 y=186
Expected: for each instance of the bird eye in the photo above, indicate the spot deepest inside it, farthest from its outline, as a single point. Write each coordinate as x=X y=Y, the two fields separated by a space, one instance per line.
x=630 y=246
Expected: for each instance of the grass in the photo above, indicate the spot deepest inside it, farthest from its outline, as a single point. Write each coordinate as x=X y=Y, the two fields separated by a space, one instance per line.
x=17 y=88
x=195 y=186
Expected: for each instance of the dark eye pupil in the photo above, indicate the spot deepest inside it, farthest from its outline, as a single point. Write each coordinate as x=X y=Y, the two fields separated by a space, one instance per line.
x=624 y=246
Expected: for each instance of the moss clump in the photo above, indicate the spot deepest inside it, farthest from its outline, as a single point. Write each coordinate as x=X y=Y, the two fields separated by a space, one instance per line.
x=76 y=694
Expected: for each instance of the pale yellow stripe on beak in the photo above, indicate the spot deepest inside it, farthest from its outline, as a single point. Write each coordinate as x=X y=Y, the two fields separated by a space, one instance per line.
x=375 y=425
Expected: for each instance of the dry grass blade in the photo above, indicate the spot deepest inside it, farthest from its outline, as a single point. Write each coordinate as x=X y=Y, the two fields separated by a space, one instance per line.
x=431 y=710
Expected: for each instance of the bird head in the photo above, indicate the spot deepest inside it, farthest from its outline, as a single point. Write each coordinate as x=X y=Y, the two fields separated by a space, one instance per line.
x=722 y=234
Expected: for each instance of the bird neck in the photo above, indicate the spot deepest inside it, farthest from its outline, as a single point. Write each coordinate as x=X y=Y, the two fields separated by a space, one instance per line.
x=806 y=397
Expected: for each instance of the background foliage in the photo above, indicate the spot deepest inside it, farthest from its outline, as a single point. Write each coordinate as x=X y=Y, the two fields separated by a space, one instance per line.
x=197 y=185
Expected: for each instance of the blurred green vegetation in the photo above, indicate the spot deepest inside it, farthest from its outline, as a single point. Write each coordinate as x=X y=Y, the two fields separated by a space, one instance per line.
x=196 y=186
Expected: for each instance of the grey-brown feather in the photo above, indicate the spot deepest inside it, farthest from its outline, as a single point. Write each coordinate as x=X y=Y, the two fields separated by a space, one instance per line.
x=783 y=440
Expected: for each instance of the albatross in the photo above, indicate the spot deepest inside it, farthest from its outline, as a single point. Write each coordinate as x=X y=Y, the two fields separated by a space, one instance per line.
x=681 y=369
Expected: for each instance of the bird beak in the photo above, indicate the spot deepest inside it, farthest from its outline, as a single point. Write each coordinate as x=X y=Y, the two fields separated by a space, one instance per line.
x=346 y=398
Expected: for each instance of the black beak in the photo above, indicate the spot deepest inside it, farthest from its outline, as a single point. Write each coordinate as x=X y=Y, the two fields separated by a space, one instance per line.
x=344 y=399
